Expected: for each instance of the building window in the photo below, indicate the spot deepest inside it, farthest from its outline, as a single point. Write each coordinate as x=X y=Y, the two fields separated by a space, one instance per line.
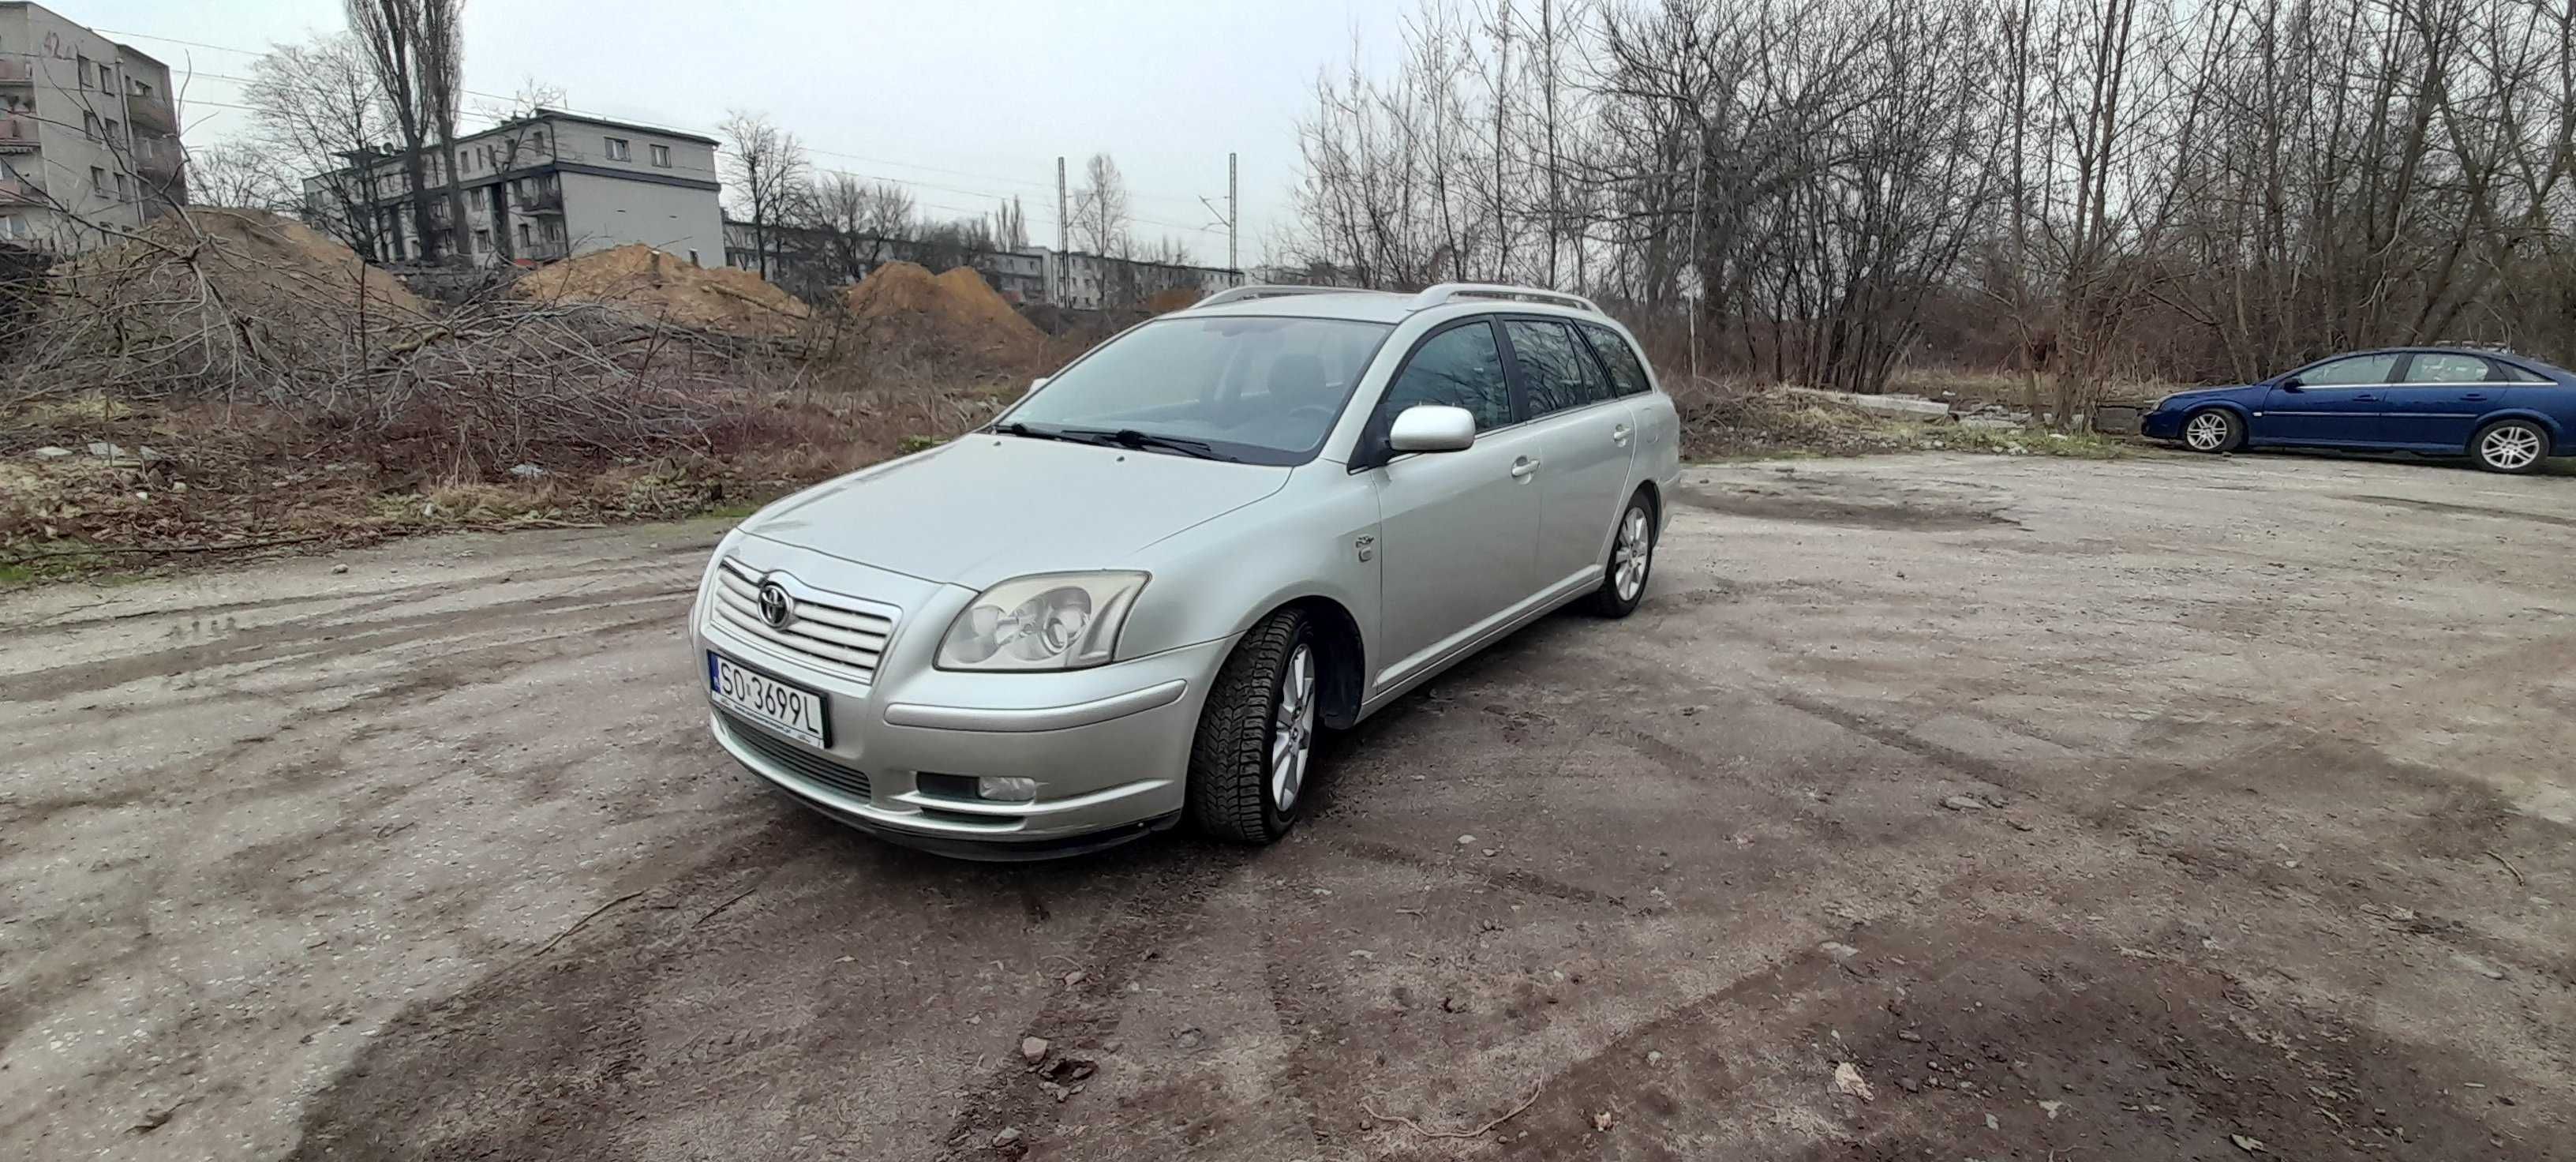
x=121 y=190
x=89 y=124
x=693 y=255
x=98 y=181
x=527 y=235
x=482 y=240
x=84 y=70
x=111 y=130
x=662 y=156
x=618 y=151
x=106 y=78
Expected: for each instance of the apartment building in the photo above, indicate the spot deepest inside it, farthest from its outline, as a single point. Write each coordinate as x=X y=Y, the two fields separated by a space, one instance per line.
x=545 y=186
x=1092 y=281
x=89 y=141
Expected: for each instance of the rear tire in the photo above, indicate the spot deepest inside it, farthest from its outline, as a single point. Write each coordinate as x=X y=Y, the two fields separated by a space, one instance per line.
x=1253 y=756
x=2213 y=430
x=1632 y=560
x=2510 y=446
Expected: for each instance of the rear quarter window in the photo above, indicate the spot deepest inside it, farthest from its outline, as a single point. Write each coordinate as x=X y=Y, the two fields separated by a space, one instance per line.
x=1627 y=372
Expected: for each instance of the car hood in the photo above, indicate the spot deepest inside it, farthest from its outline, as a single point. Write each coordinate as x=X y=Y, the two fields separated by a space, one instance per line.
x=2232 y=391
x=987 y=508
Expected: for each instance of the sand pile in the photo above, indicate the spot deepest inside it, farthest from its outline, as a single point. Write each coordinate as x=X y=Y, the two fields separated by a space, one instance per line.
x=1164 y=302
x=272 y=268
x=957 y=309
x=648 y=281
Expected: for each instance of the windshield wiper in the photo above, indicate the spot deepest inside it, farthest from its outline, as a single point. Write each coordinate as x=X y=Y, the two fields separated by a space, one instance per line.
x=1131 y=438
x=1016 y=428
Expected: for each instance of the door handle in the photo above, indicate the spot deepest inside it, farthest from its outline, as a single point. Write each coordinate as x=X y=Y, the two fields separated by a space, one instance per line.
x=1523 y=468
x=2365 y=399
x=2474 y=396
x=1619 y=435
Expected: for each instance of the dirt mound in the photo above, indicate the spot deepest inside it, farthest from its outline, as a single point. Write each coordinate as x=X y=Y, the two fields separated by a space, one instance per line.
x=957 y=309
x=648 y=281
x=1164 y=302
x=269 y=267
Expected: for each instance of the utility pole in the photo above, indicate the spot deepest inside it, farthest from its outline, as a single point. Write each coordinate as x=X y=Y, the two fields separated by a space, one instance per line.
x=1231 y=219
x=1063 y=236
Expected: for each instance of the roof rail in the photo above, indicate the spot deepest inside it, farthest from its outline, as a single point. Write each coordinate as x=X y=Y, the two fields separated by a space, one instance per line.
x=1247 y=293
x=1452 y=291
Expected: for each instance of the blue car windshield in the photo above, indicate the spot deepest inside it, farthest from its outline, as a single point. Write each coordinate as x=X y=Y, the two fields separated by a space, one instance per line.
x=1261 y=390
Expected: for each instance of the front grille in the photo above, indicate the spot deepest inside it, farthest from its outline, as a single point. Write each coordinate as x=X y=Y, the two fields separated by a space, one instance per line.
x=811 y=766
x=839 y=635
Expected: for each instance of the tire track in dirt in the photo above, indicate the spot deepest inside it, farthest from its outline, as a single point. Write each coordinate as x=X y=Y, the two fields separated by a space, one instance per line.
x=1178 y=883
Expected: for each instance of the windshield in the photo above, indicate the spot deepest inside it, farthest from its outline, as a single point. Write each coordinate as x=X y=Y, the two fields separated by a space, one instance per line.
x=1252 y=389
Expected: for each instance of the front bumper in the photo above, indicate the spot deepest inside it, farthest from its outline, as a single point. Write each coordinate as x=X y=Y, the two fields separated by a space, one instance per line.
x=2161 y=424
x=1108 y=746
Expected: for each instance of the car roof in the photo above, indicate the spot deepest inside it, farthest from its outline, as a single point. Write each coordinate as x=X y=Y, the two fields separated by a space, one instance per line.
x=2456 y=349
x=1359 y=305
x=1368 y=306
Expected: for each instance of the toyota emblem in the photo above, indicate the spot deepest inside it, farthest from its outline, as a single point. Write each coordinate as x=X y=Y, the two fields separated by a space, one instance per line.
x=776 y=607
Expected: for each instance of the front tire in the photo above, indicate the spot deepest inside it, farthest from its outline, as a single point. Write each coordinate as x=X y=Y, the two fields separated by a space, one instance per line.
x=1255 y=748
x=1632 y=560
x=2510 y=446
x=2213 y=430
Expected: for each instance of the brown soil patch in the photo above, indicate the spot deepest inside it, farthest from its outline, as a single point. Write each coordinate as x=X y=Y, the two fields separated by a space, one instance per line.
x=648 y=281
x=266 y=266
x=956 y=309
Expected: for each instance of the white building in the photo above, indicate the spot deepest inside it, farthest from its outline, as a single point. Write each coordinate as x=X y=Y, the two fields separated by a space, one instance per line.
x=89 y=142
x=1091 y=281
x=542 y=187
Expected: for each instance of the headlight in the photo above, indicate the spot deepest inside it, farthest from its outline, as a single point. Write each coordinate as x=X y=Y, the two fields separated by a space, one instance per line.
x=1050 y=621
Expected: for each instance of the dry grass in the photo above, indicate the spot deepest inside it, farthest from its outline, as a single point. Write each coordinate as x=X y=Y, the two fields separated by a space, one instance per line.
x=1726 y=419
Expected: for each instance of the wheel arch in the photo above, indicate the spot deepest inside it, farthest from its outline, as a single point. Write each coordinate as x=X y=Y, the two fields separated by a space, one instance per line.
x=2557 y=431
x=1345 y=650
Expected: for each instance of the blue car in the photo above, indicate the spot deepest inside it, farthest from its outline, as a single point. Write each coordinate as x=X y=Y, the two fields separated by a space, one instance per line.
x=2506 y=412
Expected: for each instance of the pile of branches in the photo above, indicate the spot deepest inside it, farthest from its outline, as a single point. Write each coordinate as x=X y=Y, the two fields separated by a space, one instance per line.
x=195 y=314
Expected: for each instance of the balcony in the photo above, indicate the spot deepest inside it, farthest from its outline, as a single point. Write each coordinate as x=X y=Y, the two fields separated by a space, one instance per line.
x=21 y=192
x=546 y=201
x=17 y=72
x=149 y=111
x=157 y=158
x=17 y=135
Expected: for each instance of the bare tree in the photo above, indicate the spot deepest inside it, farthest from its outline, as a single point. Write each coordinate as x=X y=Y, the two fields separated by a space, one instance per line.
x=240 y=174
x=316 y=109
x=767 y=170
x=1011 y=225
x=863 y=221
x=411 y=47
x=1101 y=219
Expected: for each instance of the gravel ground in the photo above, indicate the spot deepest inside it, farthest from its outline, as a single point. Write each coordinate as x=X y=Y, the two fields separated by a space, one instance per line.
x=2159 y=808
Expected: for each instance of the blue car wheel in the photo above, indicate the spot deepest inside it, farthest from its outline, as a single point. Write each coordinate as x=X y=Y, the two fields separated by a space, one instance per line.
x=2213 y=430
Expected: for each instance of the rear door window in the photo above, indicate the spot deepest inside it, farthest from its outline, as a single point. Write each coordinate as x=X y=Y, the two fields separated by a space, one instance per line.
x=1555 y=369
x=2442 y=367
x=1461 y=367
x=1627 y=372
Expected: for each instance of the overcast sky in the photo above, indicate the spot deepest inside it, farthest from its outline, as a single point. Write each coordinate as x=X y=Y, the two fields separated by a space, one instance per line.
x=961 y=100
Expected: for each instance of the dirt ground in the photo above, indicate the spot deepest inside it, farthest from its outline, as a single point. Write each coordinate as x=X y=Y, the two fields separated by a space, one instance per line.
x=2256 y=844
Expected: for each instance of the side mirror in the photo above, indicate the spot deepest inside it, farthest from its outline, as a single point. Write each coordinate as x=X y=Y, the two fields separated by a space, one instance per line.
x=2291 y=383
x=1431 y=427
x=1037 y=383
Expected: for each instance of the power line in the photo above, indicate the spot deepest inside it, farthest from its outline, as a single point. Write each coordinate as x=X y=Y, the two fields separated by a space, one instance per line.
x=706 y=130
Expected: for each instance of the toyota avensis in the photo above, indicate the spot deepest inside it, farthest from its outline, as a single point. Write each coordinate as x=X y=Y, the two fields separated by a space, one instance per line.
x=2505 y=412
x=1139 y=593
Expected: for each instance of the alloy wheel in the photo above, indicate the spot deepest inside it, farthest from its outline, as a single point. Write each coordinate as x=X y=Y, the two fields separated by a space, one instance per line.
x=1635 y=551
x=2510 y=446
x=2207 y=432
x=1292 y=728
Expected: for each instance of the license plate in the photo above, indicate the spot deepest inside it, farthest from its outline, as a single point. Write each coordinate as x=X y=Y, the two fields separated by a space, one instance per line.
x=791 y=710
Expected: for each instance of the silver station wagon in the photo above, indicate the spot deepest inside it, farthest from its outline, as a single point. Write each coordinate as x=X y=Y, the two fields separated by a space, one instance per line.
x=1136 y=597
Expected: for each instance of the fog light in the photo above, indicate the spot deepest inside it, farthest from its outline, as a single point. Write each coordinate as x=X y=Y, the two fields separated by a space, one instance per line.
x=1006 y=790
